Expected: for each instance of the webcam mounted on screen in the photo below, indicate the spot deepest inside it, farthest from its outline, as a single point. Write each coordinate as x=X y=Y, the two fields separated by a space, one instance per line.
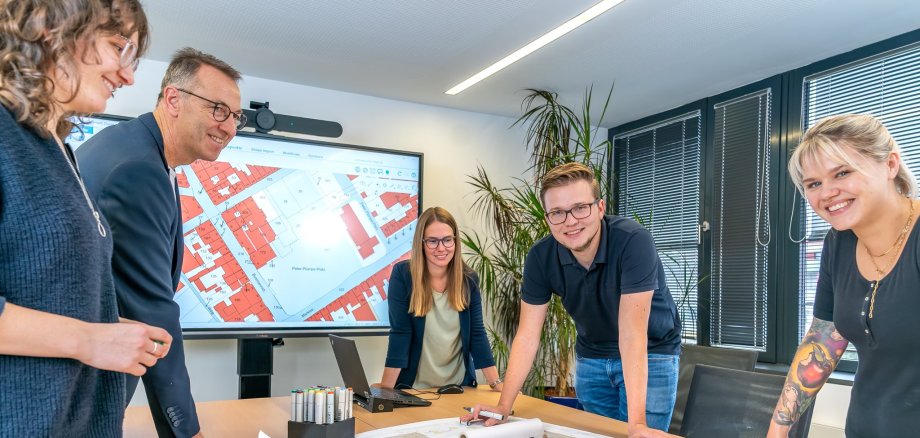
x=264 y=120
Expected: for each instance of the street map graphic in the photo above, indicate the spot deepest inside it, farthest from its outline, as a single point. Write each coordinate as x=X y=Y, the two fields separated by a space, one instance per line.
x=289 y=234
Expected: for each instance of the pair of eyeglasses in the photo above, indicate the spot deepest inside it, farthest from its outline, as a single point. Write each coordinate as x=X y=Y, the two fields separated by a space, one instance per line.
x=579 y=211
x=127 y=54
x=432 y=243
x=221 y=111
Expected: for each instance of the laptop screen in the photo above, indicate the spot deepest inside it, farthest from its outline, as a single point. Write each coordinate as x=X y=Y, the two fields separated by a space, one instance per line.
x=346 y=355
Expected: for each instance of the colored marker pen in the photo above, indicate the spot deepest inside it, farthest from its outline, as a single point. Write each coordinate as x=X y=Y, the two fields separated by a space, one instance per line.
x=330 y=406
x=320 y=406
x=487 y=414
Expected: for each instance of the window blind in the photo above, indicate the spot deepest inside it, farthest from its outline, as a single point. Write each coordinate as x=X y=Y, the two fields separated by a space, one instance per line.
x=741 y=221
x=658 y=176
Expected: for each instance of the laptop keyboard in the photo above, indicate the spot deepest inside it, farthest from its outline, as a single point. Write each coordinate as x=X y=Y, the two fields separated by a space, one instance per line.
x=398 y=396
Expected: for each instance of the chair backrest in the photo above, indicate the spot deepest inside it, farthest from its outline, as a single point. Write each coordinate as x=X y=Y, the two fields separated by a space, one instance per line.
x=734 y=403
x=691 y=355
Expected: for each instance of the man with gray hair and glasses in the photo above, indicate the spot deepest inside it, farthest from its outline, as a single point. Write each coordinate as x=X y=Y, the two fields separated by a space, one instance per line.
x=129 y=170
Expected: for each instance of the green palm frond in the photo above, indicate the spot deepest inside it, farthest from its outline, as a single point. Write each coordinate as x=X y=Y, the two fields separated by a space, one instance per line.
x=555 y=134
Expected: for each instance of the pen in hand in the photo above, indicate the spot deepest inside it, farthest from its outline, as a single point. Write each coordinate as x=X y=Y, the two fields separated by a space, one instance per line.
x=487 y=414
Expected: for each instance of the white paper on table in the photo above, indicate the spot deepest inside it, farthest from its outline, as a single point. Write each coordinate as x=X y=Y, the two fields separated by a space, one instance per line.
x=452 y=428
x=531 y=428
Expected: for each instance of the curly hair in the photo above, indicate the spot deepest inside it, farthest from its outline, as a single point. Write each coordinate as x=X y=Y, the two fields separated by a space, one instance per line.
x=39 y=36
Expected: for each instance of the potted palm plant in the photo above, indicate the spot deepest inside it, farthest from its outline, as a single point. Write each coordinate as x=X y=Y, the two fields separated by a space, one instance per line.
x=555 y=135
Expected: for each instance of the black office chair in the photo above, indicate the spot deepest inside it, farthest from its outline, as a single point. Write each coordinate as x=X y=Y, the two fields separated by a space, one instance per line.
x=716 y=356
x=735 y=404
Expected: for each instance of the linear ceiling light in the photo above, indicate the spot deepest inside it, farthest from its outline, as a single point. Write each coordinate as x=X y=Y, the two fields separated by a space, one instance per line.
x=547 y=38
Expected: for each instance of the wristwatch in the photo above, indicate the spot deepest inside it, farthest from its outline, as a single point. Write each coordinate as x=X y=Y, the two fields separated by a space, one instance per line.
x=495 y=382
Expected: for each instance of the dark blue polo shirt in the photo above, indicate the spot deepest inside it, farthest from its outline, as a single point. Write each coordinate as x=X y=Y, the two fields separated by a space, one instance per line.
x=626 y=262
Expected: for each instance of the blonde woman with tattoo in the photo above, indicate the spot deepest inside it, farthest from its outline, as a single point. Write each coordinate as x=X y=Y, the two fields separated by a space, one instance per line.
x=852 y=174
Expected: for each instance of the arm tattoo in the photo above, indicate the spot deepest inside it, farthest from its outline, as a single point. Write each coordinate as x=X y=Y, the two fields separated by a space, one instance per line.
x=814 y=361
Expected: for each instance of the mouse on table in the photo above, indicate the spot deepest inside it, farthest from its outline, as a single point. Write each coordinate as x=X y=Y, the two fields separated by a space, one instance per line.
x=450 y=389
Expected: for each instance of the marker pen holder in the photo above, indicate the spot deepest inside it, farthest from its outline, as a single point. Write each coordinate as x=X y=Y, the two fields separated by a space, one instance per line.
x=339 y=429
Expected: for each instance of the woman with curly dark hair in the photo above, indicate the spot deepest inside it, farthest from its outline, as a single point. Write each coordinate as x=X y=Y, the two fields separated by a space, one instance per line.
x=62 y=347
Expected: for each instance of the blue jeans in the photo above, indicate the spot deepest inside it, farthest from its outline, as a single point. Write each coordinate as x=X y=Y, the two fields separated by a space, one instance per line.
x=600 y=387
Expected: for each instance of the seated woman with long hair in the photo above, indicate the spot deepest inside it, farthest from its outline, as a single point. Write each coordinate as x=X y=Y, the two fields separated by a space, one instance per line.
x=437 y=336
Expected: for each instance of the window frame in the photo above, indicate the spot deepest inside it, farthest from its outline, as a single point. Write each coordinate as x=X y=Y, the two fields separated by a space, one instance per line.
x=614 y=207
x=774 y=83
x=788 y=105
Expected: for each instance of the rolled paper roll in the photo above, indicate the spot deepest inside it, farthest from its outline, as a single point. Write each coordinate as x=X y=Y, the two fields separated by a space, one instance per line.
x=532 y=428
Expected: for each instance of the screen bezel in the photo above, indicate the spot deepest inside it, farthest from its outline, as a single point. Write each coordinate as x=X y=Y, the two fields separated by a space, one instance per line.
x=293 y=332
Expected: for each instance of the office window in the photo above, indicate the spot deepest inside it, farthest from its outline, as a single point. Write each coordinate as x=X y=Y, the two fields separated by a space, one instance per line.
x=658 y=177
x=886 y=85
x=741 y=221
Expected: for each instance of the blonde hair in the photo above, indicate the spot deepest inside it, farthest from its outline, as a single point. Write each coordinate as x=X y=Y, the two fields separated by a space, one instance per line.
x=39 y=36
x=457 y=292
x=860 y=133
x=568 y=173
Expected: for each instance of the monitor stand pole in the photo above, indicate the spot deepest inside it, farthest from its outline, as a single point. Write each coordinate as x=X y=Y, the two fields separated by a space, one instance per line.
x=254 y=365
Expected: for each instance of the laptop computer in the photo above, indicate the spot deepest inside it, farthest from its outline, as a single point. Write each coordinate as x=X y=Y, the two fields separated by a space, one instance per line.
x=346 y=355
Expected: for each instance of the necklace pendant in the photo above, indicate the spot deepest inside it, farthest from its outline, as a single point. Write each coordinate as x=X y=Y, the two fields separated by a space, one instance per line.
x=99 y=224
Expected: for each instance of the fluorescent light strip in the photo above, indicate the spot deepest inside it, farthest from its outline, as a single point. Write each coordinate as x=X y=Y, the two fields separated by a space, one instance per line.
x=547 y=38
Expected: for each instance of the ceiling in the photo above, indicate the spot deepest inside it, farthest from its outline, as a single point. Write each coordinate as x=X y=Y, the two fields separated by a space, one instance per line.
x=660 y=54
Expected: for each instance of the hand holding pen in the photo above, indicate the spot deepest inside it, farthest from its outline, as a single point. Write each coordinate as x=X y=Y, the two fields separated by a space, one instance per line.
x=491 y=414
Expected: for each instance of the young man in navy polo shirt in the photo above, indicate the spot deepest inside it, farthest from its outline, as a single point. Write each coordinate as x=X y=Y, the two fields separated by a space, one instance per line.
x=607 y=272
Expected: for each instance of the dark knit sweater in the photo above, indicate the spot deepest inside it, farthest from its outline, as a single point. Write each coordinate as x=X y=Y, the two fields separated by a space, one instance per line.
x=52 y=259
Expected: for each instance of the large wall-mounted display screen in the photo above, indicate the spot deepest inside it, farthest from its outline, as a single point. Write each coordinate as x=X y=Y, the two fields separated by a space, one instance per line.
x=285 y=235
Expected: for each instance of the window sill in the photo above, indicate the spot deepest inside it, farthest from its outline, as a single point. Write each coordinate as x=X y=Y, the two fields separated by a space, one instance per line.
x=837 y=377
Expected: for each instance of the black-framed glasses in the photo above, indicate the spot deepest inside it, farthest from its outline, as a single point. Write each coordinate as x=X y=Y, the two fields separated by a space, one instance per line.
x=127 y=54
x=432 y=242
x=579 y=211
x=221 y=111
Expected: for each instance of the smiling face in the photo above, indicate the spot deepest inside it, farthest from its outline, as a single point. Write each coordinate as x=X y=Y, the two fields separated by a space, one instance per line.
x=440 y=257
x=581 y=236
x=98 y=69
x=202 y=137
x=847 y=198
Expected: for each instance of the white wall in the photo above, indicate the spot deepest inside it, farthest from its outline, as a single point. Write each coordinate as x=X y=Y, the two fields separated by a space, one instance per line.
x=453 y=142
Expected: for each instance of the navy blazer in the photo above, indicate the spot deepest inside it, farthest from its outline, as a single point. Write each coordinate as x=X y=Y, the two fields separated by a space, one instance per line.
x=125 y=171
x=407 y=331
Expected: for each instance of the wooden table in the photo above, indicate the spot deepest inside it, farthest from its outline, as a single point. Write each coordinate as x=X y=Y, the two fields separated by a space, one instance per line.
x=245 y=418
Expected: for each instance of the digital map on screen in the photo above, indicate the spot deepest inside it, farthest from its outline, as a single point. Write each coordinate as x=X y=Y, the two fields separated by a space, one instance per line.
x=290 y=234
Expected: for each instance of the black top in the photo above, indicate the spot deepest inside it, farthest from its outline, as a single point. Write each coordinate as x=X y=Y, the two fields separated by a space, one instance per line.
x=626 y=262
x=52 y=259
x=407 y=331
x=885 y=399
x=125 y=170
